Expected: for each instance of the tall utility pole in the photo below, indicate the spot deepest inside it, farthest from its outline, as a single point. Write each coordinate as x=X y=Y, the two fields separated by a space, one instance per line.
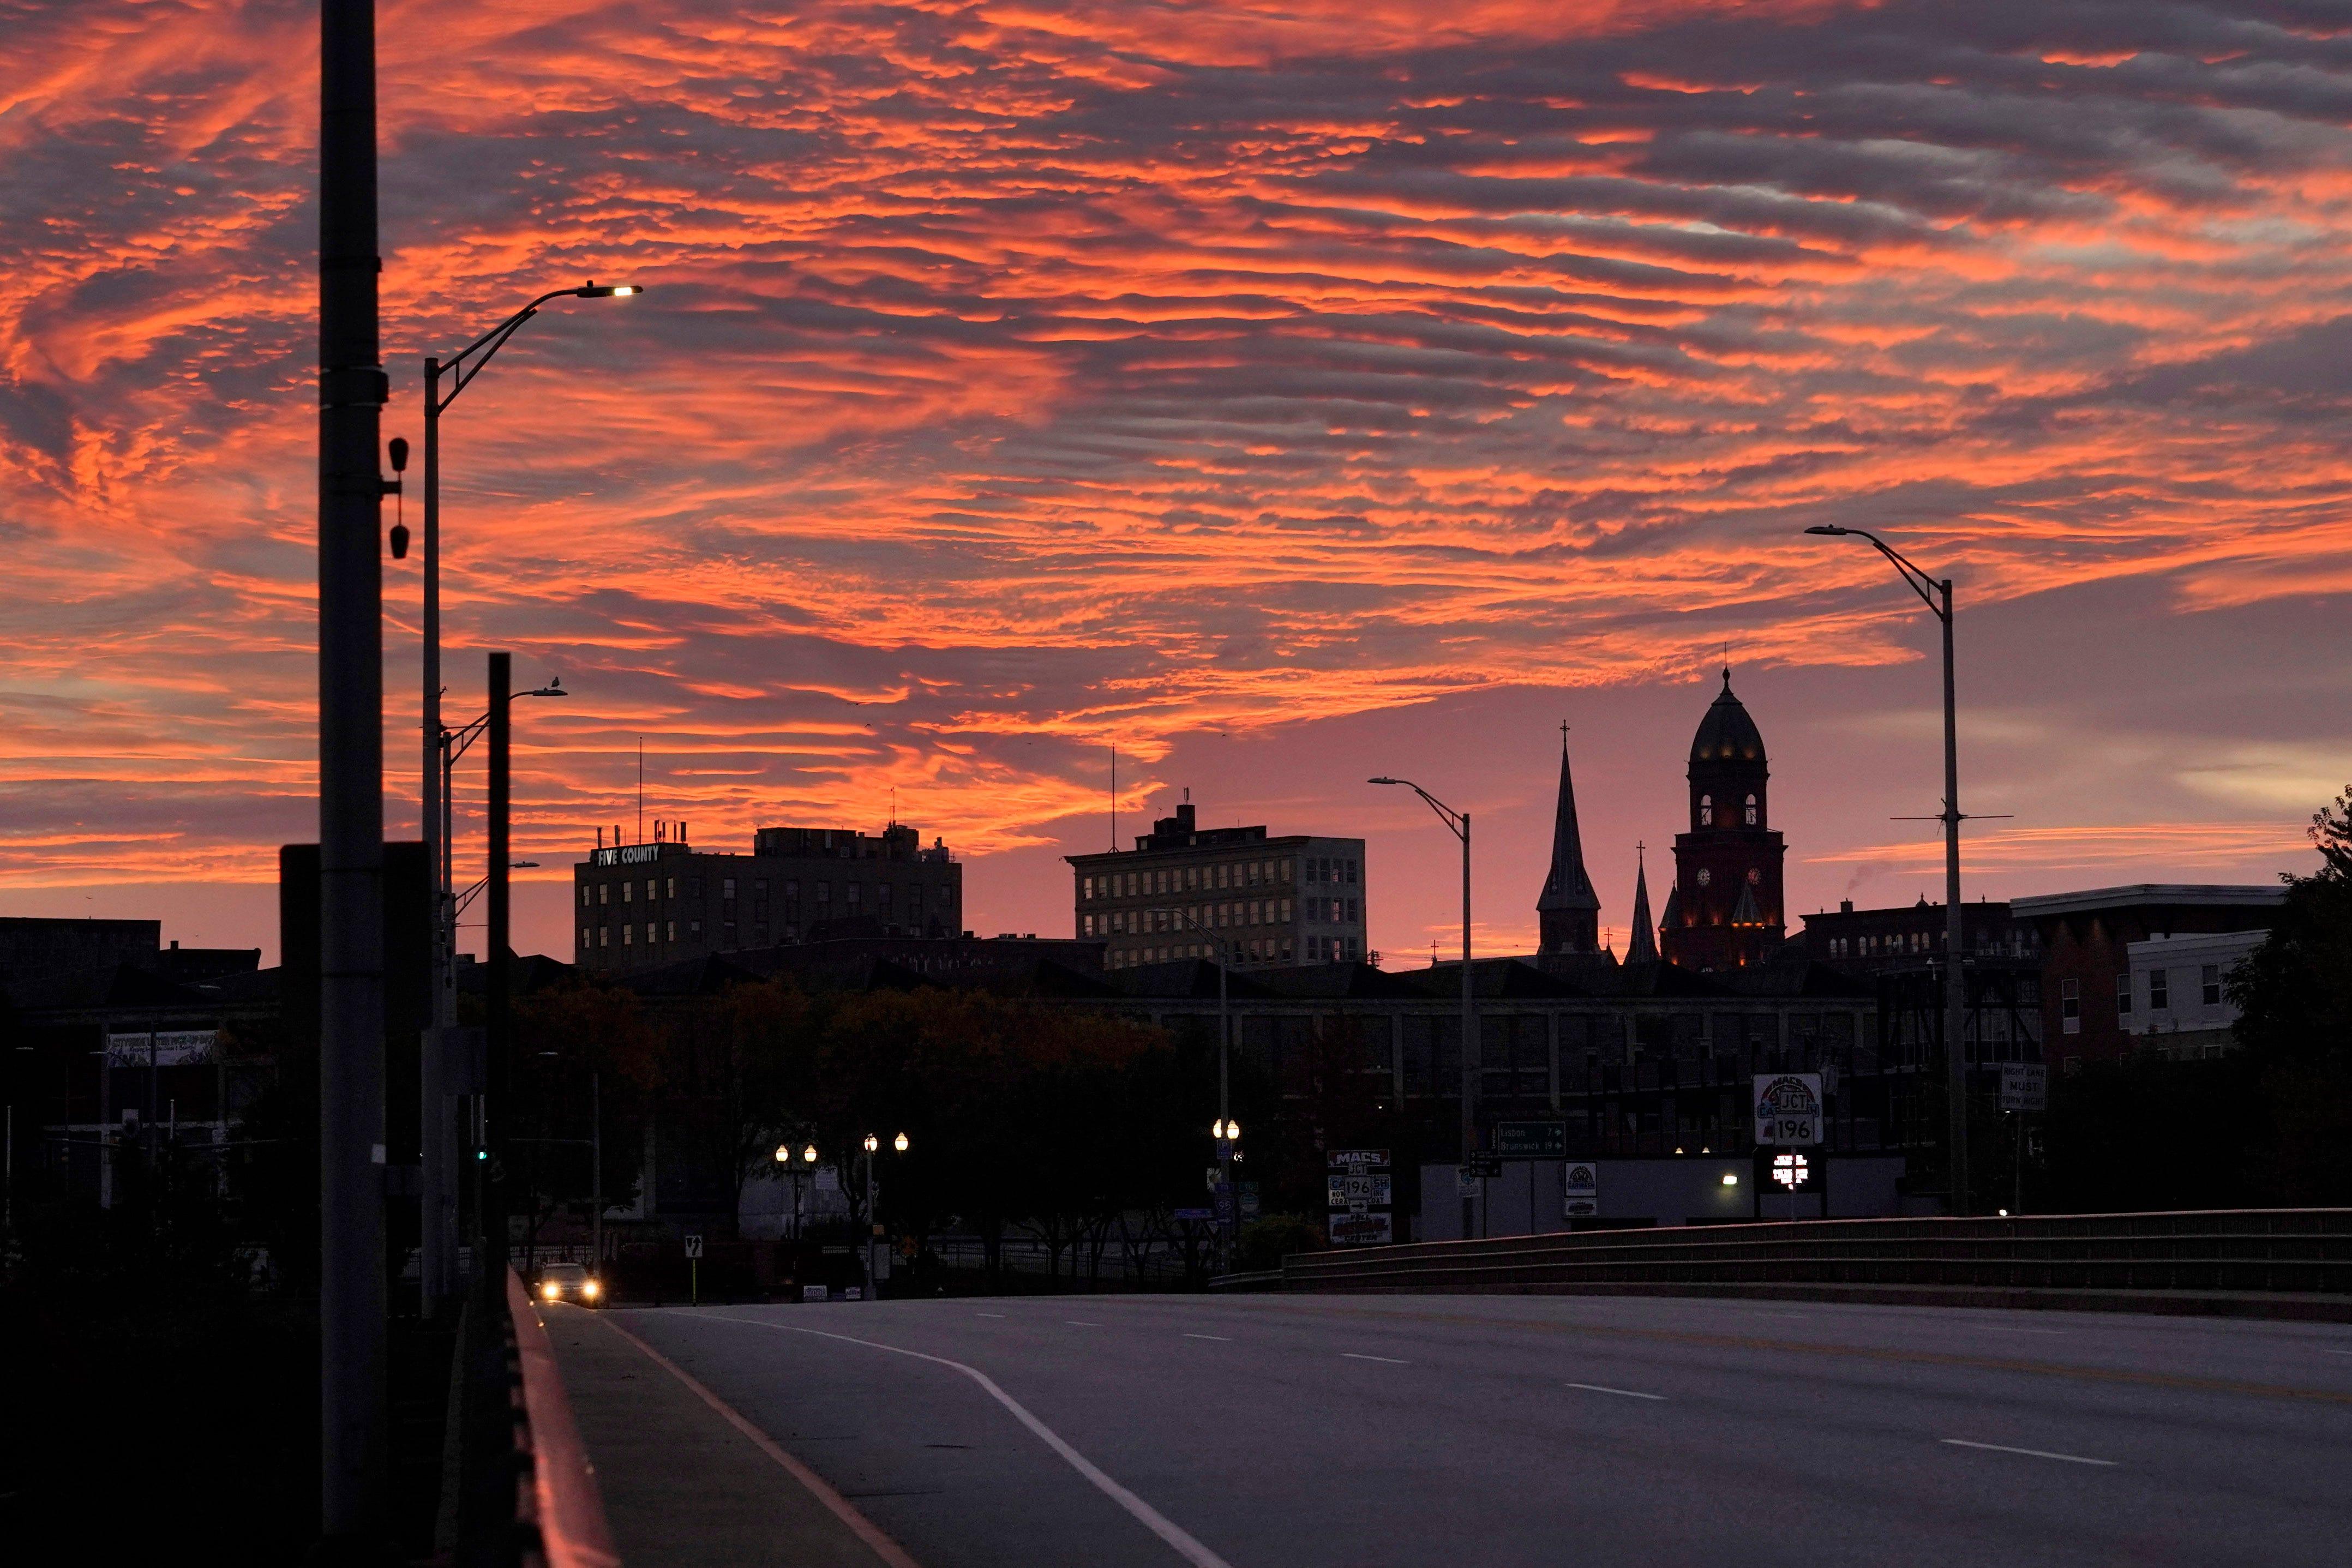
x=1937 y=594
x=351 y=392
x=498 y=1069
x=436 y=1188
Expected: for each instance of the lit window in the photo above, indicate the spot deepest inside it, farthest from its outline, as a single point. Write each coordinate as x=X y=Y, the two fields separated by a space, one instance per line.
x=1706 y=811
x=587 y=937
x=653 y=931
x=604 y=892
x=604 y=938
x=673 y=887
x=627 y=931
x=1751 y=811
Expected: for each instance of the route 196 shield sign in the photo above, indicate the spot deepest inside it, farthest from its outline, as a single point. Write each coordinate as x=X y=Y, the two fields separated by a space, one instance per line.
x=1788 y=1109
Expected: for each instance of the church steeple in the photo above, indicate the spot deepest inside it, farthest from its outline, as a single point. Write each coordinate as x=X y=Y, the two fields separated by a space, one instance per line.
x=1567 y=912
x=1642 y=947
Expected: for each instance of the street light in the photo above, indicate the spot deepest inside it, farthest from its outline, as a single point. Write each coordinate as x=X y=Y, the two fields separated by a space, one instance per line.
x=437 y=1240
x=1459 y=821
x=438 y=1262
x=873 y=1146
x=1229 y=1209
x=1931 y=590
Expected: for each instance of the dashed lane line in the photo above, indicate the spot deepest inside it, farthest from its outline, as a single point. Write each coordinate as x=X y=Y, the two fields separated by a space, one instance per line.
x=1627 y=1393
x=1221 y=1338
x=2029 y=1453
x=1391 y=1360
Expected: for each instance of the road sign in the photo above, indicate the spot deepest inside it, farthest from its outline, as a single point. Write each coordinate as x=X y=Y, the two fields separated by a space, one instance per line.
x=1360 y=1191
x=1793 y=1172
x=1196 y=1214
x=1582 y=1193
x=1531 y=1140
x=2024 y=1086
x=1788 y=1109
x=693 y=1244
x=1357 y=1191
x=1483 y=1162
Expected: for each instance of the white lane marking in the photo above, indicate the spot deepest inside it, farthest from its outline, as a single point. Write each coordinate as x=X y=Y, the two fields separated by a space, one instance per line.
x=2006 y=1328
x=999 y=1316
x=2336 y=1352
x=1081 y=1323
x=1391 y=1360
x=1150 y=1518
x=1221 y=1338
x=2030 y=1453
x=1628 y=1393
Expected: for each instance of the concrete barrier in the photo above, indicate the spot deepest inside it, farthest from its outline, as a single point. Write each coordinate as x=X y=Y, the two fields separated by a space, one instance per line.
x=2293 y=1262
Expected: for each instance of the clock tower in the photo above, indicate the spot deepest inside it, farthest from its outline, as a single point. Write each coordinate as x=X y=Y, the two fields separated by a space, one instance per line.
x=1725 y=909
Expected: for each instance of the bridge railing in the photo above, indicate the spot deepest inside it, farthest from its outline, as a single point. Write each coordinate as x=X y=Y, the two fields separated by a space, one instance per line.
x=2303 y=1251
x=525 y=1495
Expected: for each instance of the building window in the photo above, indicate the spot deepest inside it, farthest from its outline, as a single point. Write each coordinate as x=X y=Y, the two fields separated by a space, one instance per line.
x=673 y=887
x=1284 y=915
x=604 y=892
x=1085 y=887
x=628 y=890
x=628 y=933
x=849 y=894
x=653 y=889
x=1706 y=811
x=583 y=895
x=587 y=937
x=1751 y=811
x=653 y=931
x=2069 y=1006
x=694 y=887
x=694 y=930
x=725 y=887
x=2160 y=995
x=604 y=937
x=2212 y=985
x=673 y=930
x=2124 y=994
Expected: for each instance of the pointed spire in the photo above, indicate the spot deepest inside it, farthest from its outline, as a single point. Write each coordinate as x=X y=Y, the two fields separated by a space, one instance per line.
x=1569 y=911
x=1642 y=946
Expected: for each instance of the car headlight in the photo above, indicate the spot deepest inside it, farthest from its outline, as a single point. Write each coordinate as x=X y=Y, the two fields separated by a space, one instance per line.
x=550 y=1289
x=592 y=1290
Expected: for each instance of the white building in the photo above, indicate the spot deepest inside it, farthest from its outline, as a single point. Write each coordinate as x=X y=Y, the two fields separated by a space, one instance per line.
x=2174 y=999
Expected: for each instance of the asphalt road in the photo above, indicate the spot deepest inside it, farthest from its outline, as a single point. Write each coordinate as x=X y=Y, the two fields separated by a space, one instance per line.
x=1285 y=1432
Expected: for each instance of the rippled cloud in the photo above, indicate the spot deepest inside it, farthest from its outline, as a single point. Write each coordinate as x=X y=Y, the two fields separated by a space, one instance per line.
x=1018 y=378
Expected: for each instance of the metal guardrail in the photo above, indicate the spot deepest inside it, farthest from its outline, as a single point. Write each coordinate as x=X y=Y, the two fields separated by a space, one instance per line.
x=2303 y=1251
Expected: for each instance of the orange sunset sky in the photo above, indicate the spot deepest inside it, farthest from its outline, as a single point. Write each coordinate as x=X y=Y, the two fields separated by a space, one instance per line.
x=1285 y=392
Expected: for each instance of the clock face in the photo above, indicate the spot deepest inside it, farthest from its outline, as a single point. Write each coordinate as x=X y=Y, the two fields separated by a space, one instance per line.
x=1755 y=877
x=1705 y=876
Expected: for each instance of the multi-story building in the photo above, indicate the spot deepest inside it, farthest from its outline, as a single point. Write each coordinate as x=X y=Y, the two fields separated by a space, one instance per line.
x=2175 y=998
x=636 y=906
x=2086 y=952
x=1873 y=941
x=1185 y=888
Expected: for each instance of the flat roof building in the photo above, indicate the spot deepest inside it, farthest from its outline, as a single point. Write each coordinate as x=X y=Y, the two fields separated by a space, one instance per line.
x=638 y=906
x=2087 y=939
x=1185 y=890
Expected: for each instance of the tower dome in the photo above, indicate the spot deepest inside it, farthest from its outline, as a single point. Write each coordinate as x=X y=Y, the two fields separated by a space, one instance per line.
x=1727 y=734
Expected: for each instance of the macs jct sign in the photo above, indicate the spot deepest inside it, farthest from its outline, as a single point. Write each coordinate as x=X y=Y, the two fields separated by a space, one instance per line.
x=1788 y=1109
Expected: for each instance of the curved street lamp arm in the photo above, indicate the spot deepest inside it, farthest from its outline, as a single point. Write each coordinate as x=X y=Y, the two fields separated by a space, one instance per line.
x=1445 y=813
x=461 y=375
x=1920 y=582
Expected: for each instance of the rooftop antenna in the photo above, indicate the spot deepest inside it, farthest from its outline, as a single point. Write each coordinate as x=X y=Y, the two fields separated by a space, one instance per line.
x=1113 y=797
x=641 y=789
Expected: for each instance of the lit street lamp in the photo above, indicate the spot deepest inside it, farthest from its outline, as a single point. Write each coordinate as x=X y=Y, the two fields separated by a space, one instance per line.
x=1937 y=594
x=1459 y=821
x=1229 y=1209
x=438 y=1250
x=873 y=1146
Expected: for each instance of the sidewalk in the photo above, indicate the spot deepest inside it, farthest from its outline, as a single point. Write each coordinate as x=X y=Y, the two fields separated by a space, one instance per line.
x=682 y=1484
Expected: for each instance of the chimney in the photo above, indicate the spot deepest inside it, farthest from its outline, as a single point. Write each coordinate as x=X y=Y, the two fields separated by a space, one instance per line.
x=1184 y=814
x=1845 y=907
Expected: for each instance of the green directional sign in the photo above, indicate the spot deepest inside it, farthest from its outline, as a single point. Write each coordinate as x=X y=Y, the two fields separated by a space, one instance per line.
x=1531 y=1140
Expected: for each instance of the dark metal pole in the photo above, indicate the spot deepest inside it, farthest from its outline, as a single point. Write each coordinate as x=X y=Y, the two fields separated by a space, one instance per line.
x=1955 y=984
x=499 y=1071
x=351 y=391
x=436 y=1252
x=1471 y=1050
